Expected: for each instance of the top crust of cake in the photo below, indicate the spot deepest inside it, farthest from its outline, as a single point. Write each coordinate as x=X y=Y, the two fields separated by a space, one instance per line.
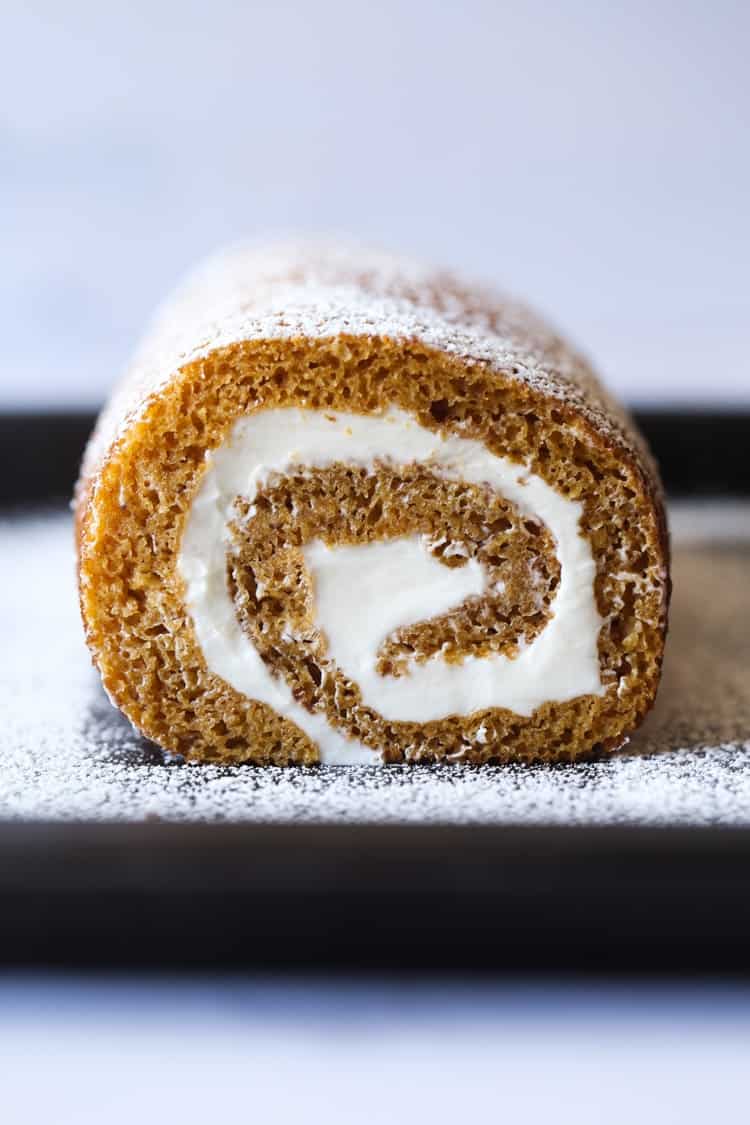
x=317 y=289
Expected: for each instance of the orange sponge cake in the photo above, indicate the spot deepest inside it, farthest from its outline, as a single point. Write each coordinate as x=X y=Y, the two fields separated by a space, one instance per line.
x=346 y=509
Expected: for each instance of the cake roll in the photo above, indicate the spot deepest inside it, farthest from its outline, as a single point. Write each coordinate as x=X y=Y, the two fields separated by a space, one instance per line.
x=346 y=508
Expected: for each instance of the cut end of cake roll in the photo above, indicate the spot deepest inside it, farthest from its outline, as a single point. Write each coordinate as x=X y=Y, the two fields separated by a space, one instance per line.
x=345 y=509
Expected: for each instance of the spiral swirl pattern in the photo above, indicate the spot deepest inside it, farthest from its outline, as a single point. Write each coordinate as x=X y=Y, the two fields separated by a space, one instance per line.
x=292 y=486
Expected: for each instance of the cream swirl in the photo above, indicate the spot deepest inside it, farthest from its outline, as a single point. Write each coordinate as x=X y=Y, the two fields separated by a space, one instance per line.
x=364 y=592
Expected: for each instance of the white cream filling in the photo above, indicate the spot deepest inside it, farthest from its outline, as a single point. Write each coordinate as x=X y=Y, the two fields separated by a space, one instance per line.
x=364 y=593
x=353 y=611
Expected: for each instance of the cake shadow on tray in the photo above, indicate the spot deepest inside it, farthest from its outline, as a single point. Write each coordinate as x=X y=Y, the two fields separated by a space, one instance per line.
x=703 y=702
x=704 y=698
x=111 y=737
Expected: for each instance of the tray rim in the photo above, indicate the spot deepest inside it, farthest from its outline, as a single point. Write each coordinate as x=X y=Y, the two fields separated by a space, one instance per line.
x=699 y=450
x=351 y=897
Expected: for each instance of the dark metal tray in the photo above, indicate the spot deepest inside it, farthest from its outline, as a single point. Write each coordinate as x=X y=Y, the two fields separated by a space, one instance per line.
x=109 y=856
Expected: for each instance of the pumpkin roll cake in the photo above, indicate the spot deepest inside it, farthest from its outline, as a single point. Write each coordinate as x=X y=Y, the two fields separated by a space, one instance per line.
x=347 y=509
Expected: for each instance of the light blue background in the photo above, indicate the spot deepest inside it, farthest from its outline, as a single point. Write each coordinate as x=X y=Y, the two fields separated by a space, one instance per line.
x=378 y=1051
x=592 y=156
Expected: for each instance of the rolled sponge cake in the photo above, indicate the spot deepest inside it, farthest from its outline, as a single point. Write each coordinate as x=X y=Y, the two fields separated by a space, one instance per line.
x=345 y=508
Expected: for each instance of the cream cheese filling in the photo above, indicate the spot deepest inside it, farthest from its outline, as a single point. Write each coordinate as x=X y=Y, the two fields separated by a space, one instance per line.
x=365 y=592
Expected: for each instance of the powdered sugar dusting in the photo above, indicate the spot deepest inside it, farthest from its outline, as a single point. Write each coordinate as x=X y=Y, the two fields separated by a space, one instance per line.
x=65 y=753
x=318 y=289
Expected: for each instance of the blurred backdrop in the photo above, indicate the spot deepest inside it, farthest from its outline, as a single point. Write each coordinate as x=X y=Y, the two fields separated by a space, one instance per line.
x=592 y=157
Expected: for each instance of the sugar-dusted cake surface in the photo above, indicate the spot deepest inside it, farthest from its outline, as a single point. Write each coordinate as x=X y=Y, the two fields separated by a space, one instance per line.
x=257 y=334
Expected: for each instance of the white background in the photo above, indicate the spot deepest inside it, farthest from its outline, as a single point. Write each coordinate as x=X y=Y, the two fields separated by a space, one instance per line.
x=378 y=1051
x=592 y=156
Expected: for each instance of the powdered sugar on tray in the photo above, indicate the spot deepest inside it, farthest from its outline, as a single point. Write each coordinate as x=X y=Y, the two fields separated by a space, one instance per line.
x=65 y=754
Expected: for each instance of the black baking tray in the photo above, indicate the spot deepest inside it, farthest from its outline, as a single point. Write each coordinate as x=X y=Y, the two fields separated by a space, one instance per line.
x=392 y=896
x=700 y=452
